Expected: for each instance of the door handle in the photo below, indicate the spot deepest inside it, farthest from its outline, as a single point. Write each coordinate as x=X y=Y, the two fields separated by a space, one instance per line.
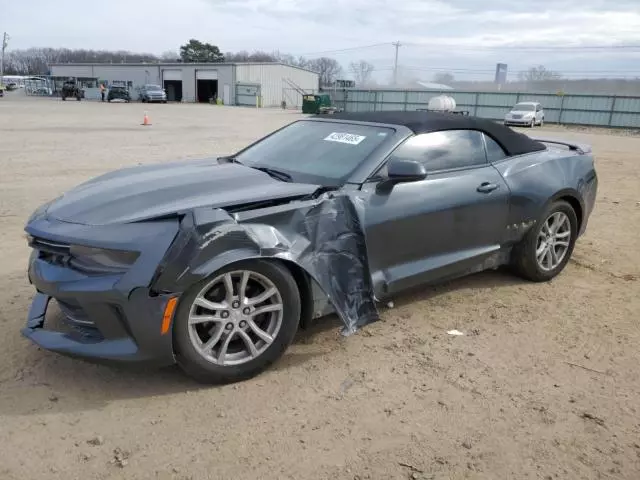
x=487 y=187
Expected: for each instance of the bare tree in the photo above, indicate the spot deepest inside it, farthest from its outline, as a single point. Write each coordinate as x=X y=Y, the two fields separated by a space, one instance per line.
x=444 y=78
x=327 y=68
x=36 y=61
x=289 y=59
x=362 y=71
x=538 y=74
x=170 y=56
x=256 y=56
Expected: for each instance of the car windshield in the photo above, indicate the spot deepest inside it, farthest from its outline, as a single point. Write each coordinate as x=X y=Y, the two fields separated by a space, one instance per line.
x=324 y=153
x=153 y=87
x=524 y=107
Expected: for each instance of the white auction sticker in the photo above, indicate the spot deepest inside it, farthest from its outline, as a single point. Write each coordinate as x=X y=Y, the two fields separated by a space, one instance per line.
x=349 y=138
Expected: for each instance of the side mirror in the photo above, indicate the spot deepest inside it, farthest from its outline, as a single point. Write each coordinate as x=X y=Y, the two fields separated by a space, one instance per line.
x=399 y=170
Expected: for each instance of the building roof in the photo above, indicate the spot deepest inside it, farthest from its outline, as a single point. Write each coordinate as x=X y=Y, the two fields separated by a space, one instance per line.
x=514 y=143
x=175 y=64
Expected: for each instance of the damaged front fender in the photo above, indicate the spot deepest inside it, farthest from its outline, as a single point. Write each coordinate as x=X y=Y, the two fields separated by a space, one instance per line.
x=324 y=237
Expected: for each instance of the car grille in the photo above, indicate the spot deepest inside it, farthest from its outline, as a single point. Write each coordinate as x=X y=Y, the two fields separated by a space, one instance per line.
x=517 y=116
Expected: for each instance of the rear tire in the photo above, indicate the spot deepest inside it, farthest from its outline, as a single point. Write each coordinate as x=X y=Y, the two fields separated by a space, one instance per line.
x=529 y=258
x=207 y=364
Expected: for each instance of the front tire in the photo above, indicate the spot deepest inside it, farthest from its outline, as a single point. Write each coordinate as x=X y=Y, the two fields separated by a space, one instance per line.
x=545 y=249
x=234 y=324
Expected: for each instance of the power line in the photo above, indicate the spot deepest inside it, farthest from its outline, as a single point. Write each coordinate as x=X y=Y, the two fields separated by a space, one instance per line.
x=481 y=70
x=566 y=75
x=463 y=47
x=486 y=70
x=551 y=47
x=350 y=49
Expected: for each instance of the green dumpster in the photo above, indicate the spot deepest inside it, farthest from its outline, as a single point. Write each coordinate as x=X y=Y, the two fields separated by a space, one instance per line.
x=315 y=103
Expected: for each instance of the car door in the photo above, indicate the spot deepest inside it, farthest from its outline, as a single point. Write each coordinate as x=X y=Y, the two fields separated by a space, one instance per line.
x=443 y=226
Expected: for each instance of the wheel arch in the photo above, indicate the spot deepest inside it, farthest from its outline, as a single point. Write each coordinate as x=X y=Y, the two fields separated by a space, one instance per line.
x=572 y=198
x=304 y=279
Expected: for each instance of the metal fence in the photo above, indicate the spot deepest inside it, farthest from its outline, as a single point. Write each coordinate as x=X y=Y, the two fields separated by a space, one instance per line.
x=596 y=110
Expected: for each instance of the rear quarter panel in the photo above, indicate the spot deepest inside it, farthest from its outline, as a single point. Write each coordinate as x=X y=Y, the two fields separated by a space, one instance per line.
x=535 y=180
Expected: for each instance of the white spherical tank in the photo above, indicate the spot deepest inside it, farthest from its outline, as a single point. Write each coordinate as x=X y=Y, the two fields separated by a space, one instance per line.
x=442 y=103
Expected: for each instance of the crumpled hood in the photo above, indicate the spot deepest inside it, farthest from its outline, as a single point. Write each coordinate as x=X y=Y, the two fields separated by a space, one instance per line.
x=146 y=192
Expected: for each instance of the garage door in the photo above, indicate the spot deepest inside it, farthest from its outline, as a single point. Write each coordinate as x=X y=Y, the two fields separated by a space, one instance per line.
x=247 y=94
x=172 y=74
x=207 y=74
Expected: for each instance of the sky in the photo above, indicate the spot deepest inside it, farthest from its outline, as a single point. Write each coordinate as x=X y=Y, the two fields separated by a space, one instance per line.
x=465 y=37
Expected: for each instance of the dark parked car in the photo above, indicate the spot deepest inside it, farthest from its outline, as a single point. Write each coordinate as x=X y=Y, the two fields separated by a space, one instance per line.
x=118 y=93
x=70 y=88
x=153 y=93
x=214 y=264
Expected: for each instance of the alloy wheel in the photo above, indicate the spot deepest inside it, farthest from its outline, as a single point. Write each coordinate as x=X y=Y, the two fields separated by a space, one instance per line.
x=235 y=317
x=553 y=241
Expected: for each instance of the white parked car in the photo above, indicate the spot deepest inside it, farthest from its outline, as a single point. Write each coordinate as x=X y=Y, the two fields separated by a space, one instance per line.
x=526 y=114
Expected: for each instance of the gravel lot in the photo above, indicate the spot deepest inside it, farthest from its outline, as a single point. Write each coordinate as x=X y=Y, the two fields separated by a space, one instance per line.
x=545 y=383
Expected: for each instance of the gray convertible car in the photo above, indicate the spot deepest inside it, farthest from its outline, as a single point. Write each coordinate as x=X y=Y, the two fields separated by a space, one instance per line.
x=214 y=264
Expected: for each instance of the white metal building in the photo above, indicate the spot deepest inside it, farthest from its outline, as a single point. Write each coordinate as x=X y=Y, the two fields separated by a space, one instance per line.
x=263 y=84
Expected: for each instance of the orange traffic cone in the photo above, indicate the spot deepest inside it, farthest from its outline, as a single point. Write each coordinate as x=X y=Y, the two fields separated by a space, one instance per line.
x=145 y=120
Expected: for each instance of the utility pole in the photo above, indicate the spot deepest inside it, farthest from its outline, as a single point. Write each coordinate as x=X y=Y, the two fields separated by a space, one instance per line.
x=395 y=64
x=5 y=42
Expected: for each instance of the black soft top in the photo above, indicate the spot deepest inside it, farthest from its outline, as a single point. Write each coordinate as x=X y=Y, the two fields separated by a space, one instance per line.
x=514 y=143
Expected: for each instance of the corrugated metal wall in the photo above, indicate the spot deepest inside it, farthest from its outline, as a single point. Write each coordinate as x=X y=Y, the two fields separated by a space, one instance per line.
x=597 y=110
x=138 y=74
x=276 y=82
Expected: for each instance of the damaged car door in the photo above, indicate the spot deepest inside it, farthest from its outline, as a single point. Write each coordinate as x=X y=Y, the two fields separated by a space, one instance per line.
x=436 y=209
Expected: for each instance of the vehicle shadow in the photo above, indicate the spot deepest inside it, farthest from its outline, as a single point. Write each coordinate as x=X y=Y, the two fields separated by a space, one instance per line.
x=49 y=383
x=478 y=281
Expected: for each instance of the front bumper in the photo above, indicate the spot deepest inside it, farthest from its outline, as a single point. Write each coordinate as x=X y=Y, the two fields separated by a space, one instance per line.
x=114 y=335
x=107 y=318
x=518 y=121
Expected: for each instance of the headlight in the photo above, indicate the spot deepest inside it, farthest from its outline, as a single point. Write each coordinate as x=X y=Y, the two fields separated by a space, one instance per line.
x=100 y=259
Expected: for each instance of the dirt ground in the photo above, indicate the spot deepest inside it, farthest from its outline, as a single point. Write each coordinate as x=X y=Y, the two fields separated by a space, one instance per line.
x=545 y=383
